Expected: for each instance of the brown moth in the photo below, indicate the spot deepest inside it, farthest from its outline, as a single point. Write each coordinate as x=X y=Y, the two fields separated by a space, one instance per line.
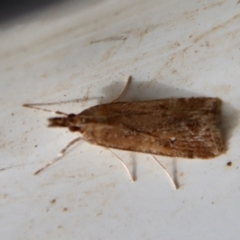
x=183 y=127
x=174 y=127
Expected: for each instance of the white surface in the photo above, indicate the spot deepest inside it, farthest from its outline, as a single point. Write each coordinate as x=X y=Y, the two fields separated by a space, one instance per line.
x=172 y=48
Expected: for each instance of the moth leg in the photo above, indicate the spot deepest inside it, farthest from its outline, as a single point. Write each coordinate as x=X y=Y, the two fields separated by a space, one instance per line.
x=175 y=178
x=34 y=106
x=124 y=165
x=59 y=156
x=167 y=173
x=124 y=90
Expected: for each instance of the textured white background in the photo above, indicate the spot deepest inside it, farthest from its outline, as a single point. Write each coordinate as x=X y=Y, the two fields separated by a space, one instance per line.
x=86 y=50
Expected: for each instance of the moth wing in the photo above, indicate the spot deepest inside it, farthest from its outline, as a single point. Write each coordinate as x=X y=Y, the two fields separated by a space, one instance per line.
x=172 y=127
x=187 y=140
x=173 y=105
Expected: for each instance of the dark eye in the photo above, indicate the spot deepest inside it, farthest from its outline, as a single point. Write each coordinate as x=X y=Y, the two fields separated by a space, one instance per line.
x=71 y=115
x=74 y=129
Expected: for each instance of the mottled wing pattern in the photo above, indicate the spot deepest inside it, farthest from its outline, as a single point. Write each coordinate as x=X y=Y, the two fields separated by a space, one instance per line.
x=171 y=127
x=200 y=104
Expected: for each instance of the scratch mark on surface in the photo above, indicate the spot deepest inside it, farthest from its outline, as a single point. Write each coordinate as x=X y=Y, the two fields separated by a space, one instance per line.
x=114 y=38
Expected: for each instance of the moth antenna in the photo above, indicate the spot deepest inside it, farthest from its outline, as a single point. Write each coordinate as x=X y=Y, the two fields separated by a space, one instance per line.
x=59 y=156
x=124 y=89
x=167 y=173
x=124 y=165
x=34 y=106
x=6 y=168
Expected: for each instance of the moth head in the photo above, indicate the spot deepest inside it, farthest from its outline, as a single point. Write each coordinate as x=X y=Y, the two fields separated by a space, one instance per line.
x=70 y=121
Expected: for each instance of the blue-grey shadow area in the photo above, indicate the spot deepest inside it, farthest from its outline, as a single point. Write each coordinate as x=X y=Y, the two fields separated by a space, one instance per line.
x=12 y=10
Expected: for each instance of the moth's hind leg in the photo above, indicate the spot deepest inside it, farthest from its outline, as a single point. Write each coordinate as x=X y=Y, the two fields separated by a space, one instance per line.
x=124 y=90
x=173 y=180
x=132 y=177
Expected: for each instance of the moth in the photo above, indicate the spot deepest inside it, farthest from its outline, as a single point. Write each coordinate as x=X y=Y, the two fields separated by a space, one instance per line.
x=174 y=127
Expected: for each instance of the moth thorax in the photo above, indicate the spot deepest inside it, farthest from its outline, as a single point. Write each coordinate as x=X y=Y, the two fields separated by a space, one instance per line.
x=70 y=121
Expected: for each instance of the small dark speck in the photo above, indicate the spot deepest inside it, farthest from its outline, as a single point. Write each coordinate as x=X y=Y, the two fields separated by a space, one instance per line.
x=65 y=209
x=53 y=201
x=12 y=114
x=212 y=202
x=35 y=146
x=229 y=164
